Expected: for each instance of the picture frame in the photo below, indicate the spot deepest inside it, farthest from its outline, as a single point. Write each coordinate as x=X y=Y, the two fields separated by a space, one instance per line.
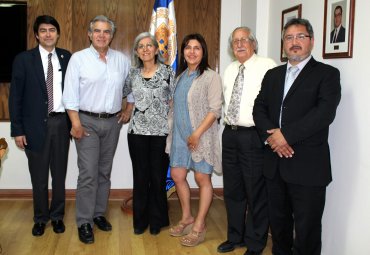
x=339 y=19
x=286 y=15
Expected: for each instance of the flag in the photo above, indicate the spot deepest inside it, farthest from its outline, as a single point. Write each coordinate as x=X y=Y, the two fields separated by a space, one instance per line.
x=163 y=27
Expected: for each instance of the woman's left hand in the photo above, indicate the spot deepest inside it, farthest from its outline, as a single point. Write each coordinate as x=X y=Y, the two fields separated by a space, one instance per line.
x=193 y=141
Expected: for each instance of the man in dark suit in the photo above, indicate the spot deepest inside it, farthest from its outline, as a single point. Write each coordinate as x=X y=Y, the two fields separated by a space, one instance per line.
x=39 y=123
x=293 y=119
x=339 y=32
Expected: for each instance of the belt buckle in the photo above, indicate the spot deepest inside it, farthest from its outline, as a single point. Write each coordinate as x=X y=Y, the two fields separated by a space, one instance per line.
x=102 y=115
x=234 y=127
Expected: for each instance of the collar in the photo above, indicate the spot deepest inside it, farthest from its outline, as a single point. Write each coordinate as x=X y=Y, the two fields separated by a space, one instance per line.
x=301 y=64
x=44 y=53
x=248 y=62
x=96 y=53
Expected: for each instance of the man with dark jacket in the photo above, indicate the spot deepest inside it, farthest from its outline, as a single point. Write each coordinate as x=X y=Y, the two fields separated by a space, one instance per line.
x=39 y=123
x=292 y=112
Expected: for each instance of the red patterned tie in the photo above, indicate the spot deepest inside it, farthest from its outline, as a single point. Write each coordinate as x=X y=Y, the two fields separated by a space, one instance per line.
x=49 y=84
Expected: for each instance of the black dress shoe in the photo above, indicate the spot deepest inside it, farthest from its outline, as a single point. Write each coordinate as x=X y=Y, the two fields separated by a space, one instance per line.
x=38 y=229
x=154 y=231
x=228 y=246
x=251 y=252
x=58 y=226
x=102 y=223
x=139 y=231
x=85 y=233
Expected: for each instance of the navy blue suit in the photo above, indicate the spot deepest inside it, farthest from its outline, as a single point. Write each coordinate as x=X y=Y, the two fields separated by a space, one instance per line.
x=47 y=137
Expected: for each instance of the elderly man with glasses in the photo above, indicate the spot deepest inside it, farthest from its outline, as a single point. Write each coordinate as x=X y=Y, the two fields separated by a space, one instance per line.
x=242 y=150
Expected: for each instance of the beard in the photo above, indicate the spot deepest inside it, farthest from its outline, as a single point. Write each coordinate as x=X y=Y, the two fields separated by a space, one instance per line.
x=294 y=57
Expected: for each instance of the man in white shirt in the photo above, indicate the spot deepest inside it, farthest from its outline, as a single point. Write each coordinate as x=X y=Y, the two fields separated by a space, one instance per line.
x=93 y=99
x=242 y=149
x=39 y=123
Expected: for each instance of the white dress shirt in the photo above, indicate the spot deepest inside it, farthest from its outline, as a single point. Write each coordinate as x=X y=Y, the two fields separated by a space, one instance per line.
x=93 y=85
x=57 y=77
x=255 y=69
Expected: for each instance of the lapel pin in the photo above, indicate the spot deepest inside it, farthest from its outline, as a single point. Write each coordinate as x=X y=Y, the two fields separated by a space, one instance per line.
x=61 y=56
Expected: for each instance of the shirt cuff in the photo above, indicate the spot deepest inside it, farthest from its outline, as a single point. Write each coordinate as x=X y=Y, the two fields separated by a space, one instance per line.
x=130 y=98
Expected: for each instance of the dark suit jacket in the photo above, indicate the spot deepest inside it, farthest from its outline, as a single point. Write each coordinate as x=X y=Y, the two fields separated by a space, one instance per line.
x=308 y=109
x=341 y=35
x=28 y=100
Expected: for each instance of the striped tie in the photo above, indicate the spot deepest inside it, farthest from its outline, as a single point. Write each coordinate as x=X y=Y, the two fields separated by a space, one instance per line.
x=49 y=84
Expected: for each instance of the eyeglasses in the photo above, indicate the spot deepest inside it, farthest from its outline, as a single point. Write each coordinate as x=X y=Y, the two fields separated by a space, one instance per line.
x=241 y=40
x=147 y=46
x=298 y=37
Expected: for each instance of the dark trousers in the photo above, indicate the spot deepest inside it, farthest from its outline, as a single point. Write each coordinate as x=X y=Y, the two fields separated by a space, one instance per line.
x=53 y=156
x=149 y=165
x=299 y=207
x=244 y=188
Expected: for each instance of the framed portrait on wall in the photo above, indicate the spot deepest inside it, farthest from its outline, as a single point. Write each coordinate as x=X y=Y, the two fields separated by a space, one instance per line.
x=338 y=28
x=286 y=15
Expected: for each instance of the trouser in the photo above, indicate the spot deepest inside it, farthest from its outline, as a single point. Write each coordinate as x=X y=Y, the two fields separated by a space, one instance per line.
x=244 y=187
x=53 y=156
x=95 y=159
x=299 y=207
x=150 y=166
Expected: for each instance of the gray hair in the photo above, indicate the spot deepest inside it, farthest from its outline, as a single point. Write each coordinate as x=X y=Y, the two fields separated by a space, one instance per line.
x=102 y=18
x=298 y=21
x=251 y=37
x=135 y=60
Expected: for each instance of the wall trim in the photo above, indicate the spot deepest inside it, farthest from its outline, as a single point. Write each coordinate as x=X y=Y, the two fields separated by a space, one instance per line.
x=115 y=194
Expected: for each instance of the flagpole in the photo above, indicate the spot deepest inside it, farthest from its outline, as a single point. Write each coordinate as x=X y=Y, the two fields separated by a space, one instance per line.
x=163 y=27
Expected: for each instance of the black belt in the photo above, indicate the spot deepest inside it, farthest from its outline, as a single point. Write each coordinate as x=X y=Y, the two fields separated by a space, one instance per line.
x=53 y=114
x=102 y=115
x=233 y=127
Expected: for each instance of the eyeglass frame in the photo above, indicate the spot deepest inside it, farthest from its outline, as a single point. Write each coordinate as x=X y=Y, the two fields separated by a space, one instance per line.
x=243 y=41
x=146 y=46
x=299 y=37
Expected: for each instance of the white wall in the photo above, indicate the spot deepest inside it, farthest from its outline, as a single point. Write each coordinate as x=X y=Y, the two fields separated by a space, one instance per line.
x=249 y=14
x=14 y=172
x=346 y=220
